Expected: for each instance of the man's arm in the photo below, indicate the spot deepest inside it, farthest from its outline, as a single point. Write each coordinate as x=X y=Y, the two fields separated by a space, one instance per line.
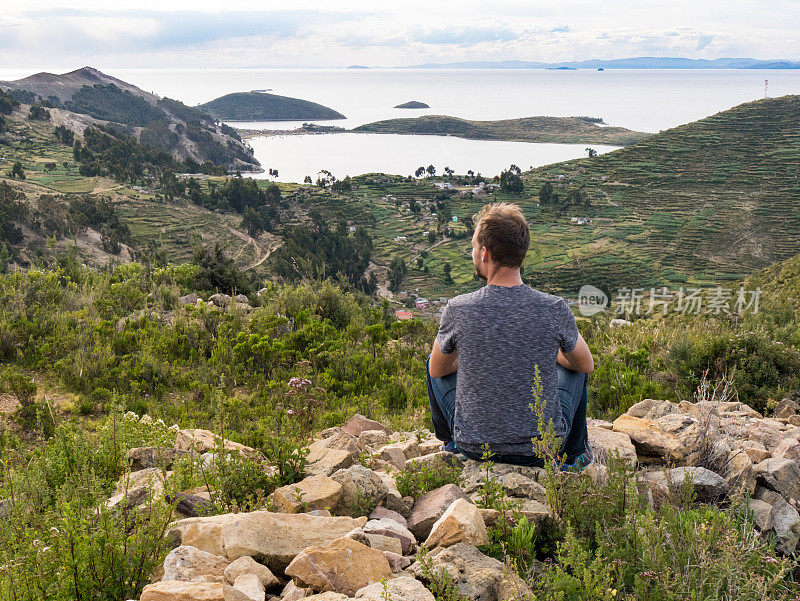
x=442 y=365
x=578 y=359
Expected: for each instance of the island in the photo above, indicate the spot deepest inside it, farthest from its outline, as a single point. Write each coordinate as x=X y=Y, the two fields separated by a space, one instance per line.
x=412 y=104
x=260 y=106
x=562 y=130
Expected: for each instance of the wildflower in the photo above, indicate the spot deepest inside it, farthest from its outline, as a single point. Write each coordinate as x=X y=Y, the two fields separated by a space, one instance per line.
x=130 y=416
x=174 y=427
x=160 y=422
x=146 y=419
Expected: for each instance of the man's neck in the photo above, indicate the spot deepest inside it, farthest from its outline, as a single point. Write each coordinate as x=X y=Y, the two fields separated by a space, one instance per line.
x=504 y=276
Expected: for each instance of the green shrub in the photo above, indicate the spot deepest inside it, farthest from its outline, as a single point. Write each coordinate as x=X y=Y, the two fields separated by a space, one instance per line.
x=421 y=478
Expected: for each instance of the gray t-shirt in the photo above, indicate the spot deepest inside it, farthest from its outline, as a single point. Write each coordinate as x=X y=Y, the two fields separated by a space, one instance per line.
x=500 y=333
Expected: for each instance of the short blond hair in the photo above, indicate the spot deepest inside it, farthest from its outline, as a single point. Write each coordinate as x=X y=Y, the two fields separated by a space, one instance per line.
x=504 y=231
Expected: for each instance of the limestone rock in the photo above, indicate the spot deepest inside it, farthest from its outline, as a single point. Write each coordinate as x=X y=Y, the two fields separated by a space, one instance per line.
x=292 y=592
x=358 y=424
x=618 y=322
x=786 y=524
x=372 y=439
x=460 y=523
x=430 y=507
x=516 y=480
x=340 y=440
x=361 y=489
x=738 y=472
x=250 y=585
x=397 y=562
x=384 y=543
x=388 y=527
x=248 y=565
x=322 y=461
x=766 y=433
x=314 y=492
x=393 y=455
x=755 y=450
x=708 y=486
x=190 y=563
x=781 y=475
x=181 y=590
x=152 y=478
x=343 y=566
x=405 y=588
x=606 y=442
x=651 y=409
x=433 y=445
x=202 y=441
x=675 y=437
x=327 y=596
x=381 y=512
x=477 y=576
x=762 y=514
x=434 y=460
x=140 y=458
x=786 y=408
x=789 y=448
x=275 y=538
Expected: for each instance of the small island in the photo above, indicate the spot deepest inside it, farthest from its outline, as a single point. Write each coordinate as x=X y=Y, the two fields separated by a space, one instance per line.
x=412 y=104
x=260 y=106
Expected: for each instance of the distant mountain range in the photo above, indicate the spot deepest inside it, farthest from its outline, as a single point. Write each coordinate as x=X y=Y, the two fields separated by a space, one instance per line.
x=642 y=62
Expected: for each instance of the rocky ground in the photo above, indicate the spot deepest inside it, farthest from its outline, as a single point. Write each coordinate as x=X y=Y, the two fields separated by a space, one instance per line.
x=316 y=545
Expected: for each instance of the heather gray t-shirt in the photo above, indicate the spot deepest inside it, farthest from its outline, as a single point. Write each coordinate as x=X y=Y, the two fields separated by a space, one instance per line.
x=500 y=333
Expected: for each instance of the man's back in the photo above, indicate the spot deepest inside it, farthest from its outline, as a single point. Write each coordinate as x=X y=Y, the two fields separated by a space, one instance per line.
x=500 y=334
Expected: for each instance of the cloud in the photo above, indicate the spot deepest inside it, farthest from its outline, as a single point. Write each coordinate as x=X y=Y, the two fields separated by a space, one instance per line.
x=464 y=35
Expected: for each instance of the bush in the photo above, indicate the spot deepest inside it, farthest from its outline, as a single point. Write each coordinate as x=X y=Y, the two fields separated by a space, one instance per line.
x=418 y=479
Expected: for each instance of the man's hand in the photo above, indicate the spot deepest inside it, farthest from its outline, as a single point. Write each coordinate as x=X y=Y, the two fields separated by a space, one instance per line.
x=578 y=359
x=442 y=365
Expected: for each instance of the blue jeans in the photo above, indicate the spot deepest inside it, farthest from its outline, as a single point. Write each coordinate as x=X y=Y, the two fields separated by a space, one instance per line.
x=571 y=392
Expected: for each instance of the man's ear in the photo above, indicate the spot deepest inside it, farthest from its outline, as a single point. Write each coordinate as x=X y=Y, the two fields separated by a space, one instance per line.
x=485 y=256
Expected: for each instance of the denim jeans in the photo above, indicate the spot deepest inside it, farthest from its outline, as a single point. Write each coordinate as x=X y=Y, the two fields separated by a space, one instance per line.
x=571 y=392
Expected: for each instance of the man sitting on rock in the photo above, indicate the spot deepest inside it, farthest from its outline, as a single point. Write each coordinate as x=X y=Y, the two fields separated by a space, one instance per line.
x=481 y=370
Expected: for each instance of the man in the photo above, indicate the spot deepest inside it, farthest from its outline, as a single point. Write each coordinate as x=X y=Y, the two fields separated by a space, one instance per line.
x=481 y=370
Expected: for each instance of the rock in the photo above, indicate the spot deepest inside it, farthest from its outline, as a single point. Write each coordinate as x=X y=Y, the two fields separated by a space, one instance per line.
x=766 y=433
x=755 y=450
x=618 y=323
x=362 y=490
x=781 y=475
x=397 y=562
x=372 y=439
x=516 y=480
x=314 y=492
x=189 y=299
x=327 y=596
x=275 y=538
x=129 y=499
x=250 y=585
x=430 y=507
x=181 y=590
x=789 y=448
x=358 y=424
x=248 y=565
x=381 y=512
x=190 y=563
x=192 y=505
x=340 y=440
x=152 y=478
x=708 y=486
x=398 y=589
x=241 y=298
x=794 y=420
x=343 y=566
x=388 y=527
x=786 y=408
x=393 y=455
x=435 y=460
x=605 y=443
x=762 y=514
x=652 y=409
x=202 y=441
x=426 y=447
x=358 y=534
x=385 y=543
x=675 y=437
x=140 y=458
x=460 y=523
x=786 y=525
x=536 y=512
x=220 y=300
x=393 y=501
x=477 y=576
x=322 y=461
x=738 y=472
x=292 y=592
x=409 y=447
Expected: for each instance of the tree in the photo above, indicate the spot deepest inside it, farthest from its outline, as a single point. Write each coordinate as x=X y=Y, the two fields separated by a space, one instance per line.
x=420 y=262
x=251 y=221
x=431 y=170
x=447 y=276
x=16 y=171
x=38 y=113
x=415 y=207
x=592 y=152
x=546 y=193
x=448 y=172
x=511 y=182
x=397 y=271
x=419 y=172
x=307 y=180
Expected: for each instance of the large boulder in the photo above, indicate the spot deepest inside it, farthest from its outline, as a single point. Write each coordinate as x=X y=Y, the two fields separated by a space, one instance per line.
x=190 y=563
x=786 y=525
x=674 y=438
x=516 y=480
x=362 y=490
x=781 y=475
x=273 y=538
x=389 y=527
x=404 y=588
x=358 y=424
x=323 y=461
x=314 y=492
x=250 y=585
x=652 y=409
x=340 y=440
x=708 y=486
x=478 y=577
x=343 y=566
x=738 y=472
x=381 y=512
x=430 y=507
x=202 y=441
x=181 y=590
x=606 y=443
x=140 y=458
x=460 y=523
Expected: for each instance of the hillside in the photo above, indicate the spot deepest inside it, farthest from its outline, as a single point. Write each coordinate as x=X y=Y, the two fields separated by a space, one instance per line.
x=260 y=106
x=89 y=97
x=562 y=130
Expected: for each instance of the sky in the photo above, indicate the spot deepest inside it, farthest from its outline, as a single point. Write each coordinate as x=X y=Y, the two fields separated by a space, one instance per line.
x=44 y=34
